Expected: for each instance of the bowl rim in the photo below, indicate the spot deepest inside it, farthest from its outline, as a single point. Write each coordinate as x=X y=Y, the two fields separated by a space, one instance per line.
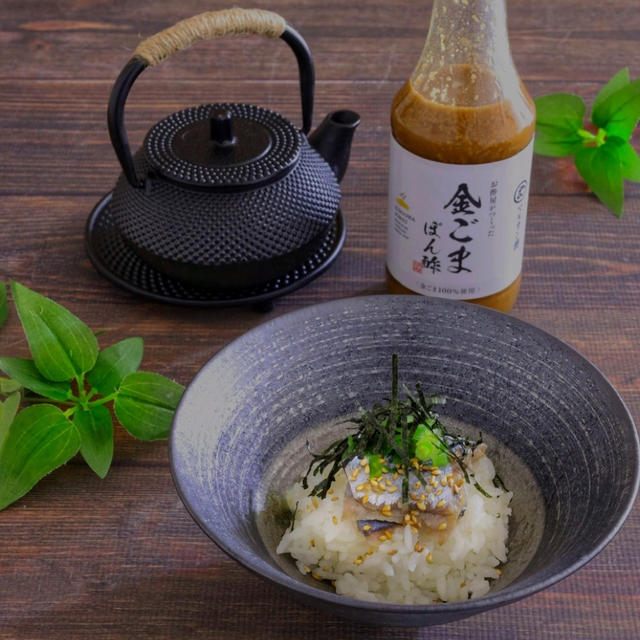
x=511 y=593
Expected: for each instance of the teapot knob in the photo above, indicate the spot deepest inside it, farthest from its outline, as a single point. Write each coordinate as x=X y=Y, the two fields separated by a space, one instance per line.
x=221 y=130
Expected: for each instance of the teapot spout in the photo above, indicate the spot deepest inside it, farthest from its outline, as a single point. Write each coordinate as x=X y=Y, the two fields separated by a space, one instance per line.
x=332 y=139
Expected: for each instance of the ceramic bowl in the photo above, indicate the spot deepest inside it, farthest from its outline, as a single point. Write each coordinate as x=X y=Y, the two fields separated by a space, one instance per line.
x=563 y=440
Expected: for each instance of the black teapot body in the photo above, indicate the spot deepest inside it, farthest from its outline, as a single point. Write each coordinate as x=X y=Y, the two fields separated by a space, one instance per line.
x=223 y=195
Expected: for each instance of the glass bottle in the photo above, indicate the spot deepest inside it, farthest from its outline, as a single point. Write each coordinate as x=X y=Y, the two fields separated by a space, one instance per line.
x=462 y=143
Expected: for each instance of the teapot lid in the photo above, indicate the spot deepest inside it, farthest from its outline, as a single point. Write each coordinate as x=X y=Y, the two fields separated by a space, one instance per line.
x=226 y=147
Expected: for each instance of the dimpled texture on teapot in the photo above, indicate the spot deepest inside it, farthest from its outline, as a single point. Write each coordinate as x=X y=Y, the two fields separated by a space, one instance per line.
x=209 y=228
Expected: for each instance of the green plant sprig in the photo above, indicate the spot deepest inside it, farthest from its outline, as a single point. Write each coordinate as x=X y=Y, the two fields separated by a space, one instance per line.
x=604 y=158
x=64 y=391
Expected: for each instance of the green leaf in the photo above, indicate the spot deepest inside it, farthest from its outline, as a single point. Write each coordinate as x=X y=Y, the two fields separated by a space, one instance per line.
x=40 y=439
x=545 y=145
x=96 y=437
x=619 y=80
x=601 y=169
x=559 y=117
x=619 y=112
x=629 y=161
x=114 y=363
x=61 y=344
x=145 y=404
x=8 y=410
x=4 y=304
x=8 y=386
x=26 y=373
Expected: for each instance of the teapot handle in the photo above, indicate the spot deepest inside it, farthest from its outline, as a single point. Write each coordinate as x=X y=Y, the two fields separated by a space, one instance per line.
x=212 y=24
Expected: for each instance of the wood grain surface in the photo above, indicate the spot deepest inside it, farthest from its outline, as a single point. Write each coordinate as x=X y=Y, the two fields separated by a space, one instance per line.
x=121 y=558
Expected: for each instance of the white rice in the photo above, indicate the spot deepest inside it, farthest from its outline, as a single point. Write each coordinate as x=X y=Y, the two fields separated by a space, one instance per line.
x=399 y=571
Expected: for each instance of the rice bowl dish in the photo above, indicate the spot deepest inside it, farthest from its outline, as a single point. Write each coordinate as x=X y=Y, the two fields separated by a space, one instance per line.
x=405 y=565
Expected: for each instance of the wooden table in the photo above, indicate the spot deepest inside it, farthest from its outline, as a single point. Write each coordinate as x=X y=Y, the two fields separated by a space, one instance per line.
x=121 y=558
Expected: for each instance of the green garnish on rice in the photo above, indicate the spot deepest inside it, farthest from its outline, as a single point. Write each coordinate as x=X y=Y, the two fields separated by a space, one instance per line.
x=400 y=435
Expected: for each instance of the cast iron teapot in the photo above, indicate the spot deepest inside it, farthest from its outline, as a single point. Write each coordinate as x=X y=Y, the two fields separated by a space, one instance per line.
x=227 y=195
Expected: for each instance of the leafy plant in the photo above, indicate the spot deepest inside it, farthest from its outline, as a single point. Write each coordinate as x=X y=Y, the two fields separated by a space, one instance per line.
x=604 y=157
x=65 y=390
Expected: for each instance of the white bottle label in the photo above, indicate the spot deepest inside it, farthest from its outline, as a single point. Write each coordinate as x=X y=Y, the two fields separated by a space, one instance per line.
x=456 y=231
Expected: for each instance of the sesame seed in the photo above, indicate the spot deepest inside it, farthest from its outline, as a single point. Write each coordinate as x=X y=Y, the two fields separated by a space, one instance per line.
x=312 y=542
x=316 y=576
x=429 y=558
x=439 y=492
x=314 y=501
x=392 y=489
x=442 y=526
x=330 y=492
x=416 y=485
x=354 y=475
x=358 y=560
x=325 y=569
x=306 y=569
x=422 y=506
x=441 y=504
x=456 y=490
x=365 y=499
x=498 y=571
x=361 y=487
x=367 y=527
x=392 y=552
x=334 y=520
x=443 y=482
x=335 y=499
x=363 y=462
x=418 y=548
x=382 y=537
x=367 y=469
x=435 y=472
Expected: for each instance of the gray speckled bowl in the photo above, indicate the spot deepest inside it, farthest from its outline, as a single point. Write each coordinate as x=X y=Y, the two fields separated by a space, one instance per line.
x=564 y=441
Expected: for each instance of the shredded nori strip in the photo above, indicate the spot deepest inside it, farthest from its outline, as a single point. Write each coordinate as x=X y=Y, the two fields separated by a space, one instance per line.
x=387 y=429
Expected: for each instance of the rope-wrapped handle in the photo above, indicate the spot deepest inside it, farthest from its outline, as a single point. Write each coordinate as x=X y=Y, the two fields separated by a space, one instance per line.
x=212 y=24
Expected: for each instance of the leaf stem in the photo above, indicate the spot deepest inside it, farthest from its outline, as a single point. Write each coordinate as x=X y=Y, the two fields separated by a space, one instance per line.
x=82 y=399
x=43 y=400
x=104 y=400
x=589 y=138
x=70 y=411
